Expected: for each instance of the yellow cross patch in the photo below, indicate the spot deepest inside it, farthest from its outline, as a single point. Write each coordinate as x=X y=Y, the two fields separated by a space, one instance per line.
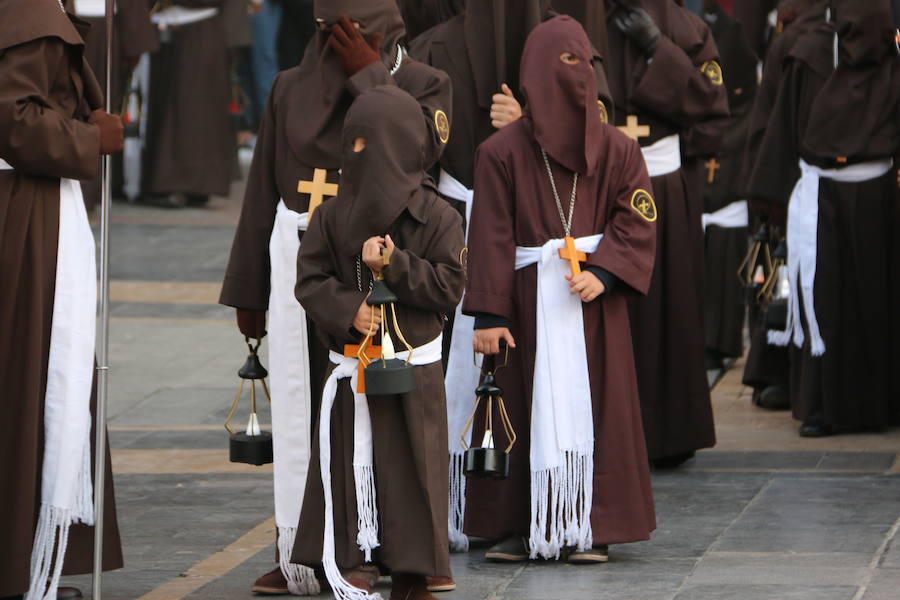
x=642 y=203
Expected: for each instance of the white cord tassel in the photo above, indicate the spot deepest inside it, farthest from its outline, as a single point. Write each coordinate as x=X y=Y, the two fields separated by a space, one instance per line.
x=366 y=509
x=459 y=542
x=46 y=565
x=301 y=580
x=561 y=507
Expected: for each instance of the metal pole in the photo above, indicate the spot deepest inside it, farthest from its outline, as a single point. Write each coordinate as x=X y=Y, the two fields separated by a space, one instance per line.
x=103 y=330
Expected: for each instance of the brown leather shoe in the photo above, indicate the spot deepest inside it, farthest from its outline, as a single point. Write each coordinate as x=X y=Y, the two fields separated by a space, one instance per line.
x=68 y=593
x=410 y=587
x=440 y=584
x=361 y=584
x=272 y=583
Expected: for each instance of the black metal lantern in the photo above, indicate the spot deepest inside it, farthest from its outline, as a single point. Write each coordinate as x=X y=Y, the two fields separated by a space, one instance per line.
x=756 y=267
x=776 y=290
x=386 y=374
x=487 y=461
x=252 y=446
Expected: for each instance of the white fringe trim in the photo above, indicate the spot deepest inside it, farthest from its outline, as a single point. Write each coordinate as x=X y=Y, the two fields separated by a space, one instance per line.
x=561 y=500
x=340 y=586
x=459 y=542
x=794 y=327
x=366 y=509
x=46 y=565
x=301 y=580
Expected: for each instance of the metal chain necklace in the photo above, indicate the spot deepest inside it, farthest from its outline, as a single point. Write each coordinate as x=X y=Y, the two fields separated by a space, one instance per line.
x=566 y=222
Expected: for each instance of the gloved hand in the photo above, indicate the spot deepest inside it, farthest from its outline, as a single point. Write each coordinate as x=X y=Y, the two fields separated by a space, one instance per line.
x=252 y=323
x=112 y=132
x=354 y=51
x=638 y=26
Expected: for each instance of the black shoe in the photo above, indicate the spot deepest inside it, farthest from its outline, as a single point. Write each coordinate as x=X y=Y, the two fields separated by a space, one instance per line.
x=68 y=593
x=512 y=549
x=815 y=427
x=163 y=200
x=773 y=397
x=197 y=200
x=714 y=361
x=672 y=462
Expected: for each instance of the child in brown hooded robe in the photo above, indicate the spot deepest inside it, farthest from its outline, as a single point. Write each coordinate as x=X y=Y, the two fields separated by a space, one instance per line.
x=390 y=508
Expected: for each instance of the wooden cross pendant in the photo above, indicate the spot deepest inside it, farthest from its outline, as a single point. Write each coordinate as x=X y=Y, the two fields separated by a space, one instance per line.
x=317 y=189
x=571 y=254
x=634 y=129
x=370 y=352
x=712 y=165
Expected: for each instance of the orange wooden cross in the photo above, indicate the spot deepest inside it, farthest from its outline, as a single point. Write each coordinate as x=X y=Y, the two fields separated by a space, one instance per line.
x=712 y=165
x=317 y=189
x=634 y=129
x=571 y=254
x=370 y=352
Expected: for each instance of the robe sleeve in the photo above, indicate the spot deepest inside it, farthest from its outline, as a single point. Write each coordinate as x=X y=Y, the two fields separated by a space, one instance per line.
x=328 y=301
x=492 y=244
x=673 y=85
x=247 y=277
x=628 y=247
x=34 y=137
x=430 y=87
x=435 y=280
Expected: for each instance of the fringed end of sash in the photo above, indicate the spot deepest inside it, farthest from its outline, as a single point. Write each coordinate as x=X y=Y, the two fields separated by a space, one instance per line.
x=301 y=580
x=778 y=338
x=459 y=542
x=341 y=587
x=48 y=552
x=366 y=509
x=561 y=500
x=817 y=346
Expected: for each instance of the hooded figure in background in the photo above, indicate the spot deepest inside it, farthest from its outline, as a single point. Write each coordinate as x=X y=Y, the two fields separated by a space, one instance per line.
x=421 y=15
x=295 y=166
x=53 y=133
x=667 y=83
x=560 y=172
x=481 y=51
x=384 y=502
x=829 y=148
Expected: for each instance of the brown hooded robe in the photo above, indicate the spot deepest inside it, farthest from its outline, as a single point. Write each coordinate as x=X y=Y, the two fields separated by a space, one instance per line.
x=514 y=206
x=385 y=191
x=672 y=94
x=46 y=94
x=832 y=118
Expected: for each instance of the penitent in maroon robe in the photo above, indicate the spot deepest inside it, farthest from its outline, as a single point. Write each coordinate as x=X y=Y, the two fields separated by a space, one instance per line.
x=514 y=206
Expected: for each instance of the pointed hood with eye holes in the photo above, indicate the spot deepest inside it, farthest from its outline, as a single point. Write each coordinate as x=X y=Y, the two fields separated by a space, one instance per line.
x=561 y=99
x=385 y=178
x=316 y=134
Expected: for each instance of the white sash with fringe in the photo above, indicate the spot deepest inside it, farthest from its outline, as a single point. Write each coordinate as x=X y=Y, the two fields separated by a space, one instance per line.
x=802 y=234
x=663 y=156
x=461 y=381
x=363 y=467
x=66 y=489
x=562 y=419
x=732 y=216
x=90 y=8
x=291 y=393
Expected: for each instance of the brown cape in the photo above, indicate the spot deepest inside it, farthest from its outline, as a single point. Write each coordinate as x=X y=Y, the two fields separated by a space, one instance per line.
x=44 y=88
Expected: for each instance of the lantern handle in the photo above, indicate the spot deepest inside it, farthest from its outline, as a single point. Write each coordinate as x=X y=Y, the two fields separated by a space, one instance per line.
x=496 y=368
x=234 y=406
x=254 y=349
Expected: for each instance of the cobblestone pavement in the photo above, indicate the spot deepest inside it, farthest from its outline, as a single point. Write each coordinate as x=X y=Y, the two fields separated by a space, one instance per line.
x=765 y=515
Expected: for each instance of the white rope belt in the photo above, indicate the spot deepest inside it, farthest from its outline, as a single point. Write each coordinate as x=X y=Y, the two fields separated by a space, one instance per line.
x=363 y=469
x=663 y=156
x=802 y=233
x=175 y=16
x=5 y=166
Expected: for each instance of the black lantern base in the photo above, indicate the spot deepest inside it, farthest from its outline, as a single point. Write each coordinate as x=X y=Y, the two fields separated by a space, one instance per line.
x=389 y=377
x=486 y=463
x=251 y=449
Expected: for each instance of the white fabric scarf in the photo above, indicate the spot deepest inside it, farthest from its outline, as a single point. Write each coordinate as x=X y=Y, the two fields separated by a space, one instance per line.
x=66 y=489
x=461 y=381
x=732 y=216
x=802 y=239
x=363 y=467
x=562 y=420
x=663 y=156
x=289 y=382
